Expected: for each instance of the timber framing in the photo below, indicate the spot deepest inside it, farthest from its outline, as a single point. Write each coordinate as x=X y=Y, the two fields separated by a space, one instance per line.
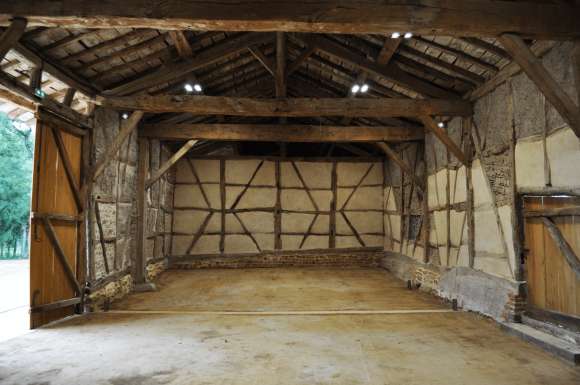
x=536 y=71
x=297 y=107
x=280 y=132
x=451 y=17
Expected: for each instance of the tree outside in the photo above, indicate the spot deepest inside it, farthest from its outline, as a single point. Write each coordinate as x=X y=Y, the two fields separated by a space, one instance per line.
x=16 y=153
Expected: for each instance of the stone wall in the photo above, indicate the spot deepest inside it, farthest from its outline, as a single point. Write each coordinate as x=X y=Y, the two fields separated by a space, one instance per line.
x=515 y=109
x=258 y=205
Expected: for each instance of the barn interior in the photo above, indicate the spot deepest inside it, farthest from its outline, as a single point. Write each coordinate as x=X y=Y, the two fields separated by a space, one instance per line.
x=291 y=192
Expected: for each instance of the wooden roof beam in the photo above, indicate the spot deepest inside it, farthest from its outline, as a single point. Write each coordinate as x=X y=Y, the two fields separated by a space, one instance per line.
x=11 y=36
x=432 y=126
x=280 y=133
x=545 y=82
x=216 y=105
x=540 y=20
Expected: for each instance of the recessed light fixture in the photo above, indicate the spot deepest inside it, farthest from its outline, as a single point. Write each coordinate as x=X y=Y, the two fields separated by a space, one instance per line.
x=125 y=116
x=408 y=35
x=355 y=89
x=188 y=87
x=197 y=87
x=441 y=125
x=364 y=88
x=395 y=35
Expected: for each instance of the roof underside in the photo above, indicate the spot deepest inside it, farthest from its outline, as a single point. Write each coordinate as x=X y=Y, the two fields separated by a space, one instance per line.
x=109 y=58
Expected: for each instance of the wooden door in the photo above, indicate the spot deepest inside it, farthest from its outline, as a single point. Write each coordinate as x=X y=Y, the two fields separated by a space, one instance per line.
x=553 y=284
x=56 y=266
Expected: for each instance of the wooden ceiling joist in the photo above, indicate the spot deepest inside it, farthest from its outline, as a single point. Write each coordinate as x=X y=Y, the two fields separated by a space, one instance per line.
x=280 y=133
x=218 y=105
x=424 y=17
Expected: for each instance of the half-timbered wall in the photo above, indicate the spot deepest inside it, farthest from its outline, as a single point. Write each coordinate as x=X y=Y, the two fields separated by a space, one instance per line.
x=233 y=206
x=520 y=144
x=114 y=214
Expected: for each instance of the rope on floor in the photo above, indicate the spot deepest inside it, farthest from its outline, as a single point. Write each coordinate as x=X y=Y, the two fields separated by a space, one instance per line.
x=282 y=313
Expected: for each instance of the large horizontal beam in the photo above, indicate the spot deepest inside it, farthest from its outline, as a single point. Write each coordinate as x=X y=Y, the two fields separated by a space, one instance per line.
x=280 y=133
x=423 y=17
x=221 y=105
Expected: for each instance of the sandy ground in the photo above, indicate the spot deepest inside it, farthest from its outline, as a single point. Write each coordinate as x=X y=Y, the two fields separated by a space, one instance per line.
x=14 y=289
x=450 y=348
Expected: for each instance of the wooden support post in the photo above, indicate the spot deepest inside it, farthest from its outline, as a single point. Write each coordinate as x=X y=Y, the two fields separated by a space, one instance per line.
x=467 y=129
x=223 y=205
x=36 y=79
x=333 y=203
x=11 y=36
x=443 y=137
x=426 y=215
x=576 y=68
x=536 y=71
x=169 y=163
x=278 y=209
x=140 y=275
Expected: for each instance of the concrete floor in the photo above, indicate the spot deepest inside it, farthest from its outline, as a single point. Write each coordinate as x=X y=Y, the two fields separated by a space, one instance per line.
x=14 y=289
x=204 y=348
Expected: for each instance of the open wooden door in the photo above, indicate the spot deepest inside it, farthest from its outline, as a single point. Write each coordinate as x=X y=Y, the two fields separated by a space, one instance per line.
x=552 y=272
x=57 y=268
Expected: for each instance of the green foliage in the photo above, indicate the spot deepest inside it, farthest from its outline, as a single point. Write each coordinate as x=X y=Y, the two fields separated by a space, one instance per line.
x=16 y=153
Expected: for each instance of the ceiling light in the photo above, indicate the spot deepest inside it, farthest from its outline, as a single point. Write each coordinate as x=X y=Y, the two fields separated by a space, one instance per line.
x=408 y=35
x=197 y=87
x=395 y=35
x=125 y=116
x=441 y=124
x=355 y=88
x=188 y=87
x=364 y=88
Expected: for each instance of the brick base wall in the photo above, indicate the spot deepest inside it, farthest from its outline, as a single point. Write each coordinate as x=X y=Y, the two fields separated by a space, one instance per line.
x=338 y=260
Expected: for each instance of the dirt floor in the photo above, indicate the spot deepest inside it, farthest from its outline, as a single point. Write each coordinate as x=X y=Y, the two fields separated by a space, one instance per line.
x=195 y=342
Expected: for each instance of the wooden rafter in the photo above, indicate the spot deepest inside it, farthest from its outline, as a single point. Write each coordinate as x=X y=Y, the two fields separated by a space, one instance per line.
x=450 y=17
x=536 y=71
x=263 y=59
x=391 y=71
x=11 y=35
x=280 y=132
x=218 y=105
x=181 y=44
x=169 y=72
